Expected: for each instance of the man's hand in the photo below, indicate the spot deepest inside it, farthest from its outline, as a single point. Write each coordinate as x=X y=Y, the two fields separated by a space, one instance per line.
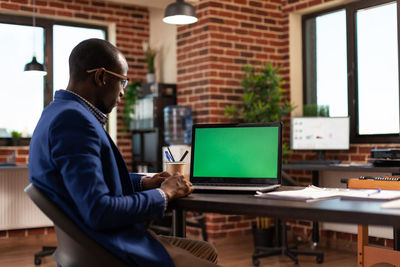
x=176 y=186
x=155 y=181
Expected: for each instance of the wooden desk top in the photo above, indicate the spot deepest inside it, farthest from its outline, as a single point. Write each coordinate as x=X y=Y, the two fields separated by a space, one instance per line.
x=332 y=210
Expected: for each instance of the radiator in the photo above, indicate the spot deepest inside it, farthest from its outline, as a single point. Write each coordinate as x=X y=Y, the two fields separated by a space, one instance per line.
x=17 y=211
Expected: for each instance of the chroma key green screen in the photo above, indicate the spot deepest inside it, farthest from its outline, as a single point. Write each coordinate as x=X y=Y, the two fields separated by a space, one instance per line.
x=237 y=152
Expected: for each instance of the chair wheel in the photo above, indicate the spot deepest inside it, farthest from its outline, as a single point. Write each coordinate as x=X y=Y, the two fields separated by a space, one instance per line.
x=256 y=262
x=296 y=265
x=320 y=259
x=37 y=261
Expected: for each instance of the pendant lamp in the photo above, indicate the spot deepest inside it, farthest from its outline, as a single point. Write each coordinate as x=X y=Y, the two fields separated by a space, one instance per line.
x=180 y=13
x=34 y=67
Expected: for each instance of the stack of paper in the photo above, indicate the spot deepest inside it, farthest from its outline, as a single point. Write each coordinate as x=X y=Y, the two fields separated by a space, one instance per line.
x=394 y=204
x=312 y=193
x=307 y=194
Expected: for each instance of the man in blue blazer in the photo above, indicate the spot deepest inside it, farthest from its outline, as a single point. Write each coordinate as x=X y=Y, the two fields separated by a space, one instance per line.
x=75 y=162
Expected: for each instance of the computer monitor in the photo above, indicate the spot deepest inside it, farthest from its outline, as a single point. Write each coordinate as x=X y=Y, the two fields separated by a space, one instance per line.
x=320 y=133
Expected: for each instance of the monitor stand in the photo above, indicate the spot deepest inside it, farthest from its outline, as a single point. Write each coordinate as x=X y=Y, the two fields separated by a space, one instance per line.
x=320 y=161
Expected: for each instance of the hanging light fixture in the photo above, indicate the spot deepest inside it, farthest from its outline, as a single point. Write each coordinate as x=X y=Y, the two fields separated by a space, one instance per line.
x=34 y=67
x=180 y=13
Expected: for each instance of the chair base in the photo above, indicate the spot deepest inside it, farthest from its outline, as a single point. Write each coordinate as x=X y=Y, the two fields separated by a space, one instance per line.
x=262 y=252
x=46 y=251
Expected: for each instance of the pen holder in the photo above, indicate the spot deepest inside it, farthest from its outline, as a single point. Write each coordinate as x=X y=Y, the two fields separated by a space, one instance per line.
x=263 y=237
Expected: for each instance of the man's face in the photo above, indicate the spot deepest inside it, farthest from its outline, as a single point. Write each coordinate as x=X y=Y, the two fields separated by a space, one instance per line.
x=113 y=88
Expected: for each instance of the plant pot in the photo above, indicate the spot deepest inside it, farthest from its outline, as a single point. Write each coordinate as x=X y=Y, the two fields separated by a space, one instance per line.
x=263 y=237
x=150 y=77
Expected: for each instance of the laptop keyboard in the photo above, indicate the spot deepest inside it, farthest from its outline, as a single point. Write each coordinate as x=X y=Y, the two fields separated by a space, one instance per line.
x=233 y=185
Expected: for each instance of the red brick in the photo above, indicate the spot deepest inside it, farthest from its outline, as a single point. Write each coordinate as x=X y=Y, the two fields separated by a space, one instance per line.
x=36 y=231
x=9 y=6
x=16 y=233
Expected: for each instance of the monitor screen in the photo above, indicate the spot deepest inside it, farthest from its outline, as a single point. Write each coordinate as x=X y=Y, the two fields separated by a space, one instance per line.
x=320 y=133
x=236 y=151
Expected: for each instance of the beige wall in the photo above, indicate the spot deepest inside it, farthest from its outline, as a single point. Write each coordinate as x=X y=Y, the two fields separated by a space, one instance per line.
x=163 y=38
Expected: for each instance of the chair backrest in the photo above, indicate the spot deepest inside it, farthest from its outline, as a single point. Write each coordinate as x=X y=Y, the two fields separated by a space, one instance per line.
x=75 y=248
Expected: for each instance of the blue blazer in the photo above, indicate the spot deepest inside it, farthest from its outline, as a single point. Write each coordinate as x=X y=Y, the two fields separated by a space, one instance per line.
x=76 y=163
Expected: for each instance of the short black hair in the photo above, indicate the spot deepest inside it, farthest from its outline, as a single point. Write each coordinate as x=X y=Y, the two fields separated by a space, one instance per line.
x=92 y=54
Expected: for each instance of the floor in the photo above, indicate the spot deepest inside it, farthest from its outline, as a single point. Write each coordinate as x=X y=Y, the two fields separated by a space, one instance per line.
x=18 y=252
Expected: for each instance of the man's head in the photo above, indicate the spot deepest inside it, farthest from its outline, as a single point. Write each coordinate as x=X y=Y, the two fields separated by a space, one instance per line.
x=98 y=72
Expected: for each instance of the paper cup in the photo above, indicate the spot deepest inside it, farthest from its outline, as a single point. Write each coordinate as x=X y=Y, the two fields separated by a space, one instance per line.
x=176 y=167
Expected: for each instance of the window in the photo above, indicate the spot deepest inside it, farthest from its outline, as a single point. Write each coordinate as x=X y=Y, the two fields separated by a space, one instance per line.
x=23 y=96
x=351 y=64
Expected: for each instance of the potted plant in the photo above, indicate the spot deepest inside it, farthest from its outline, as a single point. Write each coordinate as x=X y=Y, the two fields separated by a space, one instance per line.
x=150 y=55
x=262 y=99
x=131 y=96
x=15 y=138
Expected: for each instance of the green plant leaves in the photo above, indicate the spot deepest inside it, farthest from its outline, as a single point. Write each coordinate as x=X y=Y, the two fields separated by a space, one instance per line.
x=263 y=98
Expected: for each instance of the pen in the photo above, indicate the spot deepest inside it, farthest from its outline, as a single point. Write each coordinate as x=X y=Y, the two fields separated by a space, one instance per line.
x=376 y=192
x=168 y=157
x=172 y=157
x=184 y=155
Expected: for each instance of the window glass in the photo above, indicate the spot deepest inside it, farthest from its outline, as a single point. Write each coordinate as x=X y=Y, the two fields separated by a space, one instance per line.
x=21 y=95
x=377 y=65
x=332 y=62
x=326 y=62
x=65 y=38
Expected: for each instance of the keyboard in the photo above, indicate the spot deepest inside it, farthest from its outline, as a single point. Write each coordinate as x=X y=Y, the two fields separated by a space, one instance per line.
x=317 y=162
x=380 y=178
x=235 y=187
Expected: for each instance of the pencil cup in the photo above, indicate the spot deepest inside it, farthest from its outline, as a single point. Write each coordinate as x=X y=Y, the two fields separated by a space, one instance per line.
x=176 y=167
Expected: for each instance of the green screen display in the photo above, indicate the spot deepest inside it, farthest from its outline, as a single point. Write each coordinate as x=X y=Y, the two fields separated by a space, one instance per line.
x=242 y=152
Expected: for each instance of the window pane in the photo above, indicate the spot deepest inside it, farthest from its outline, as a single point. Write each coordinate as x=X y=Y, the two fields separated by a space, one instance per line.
x=21 y=95
x=332 y=62
x=65 y=38
x=326 y=62
x=378 y=81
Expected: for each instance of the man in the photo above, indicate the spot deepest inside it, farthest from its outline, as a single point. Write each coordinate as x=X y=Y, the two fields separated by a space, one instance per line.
x=75 y=162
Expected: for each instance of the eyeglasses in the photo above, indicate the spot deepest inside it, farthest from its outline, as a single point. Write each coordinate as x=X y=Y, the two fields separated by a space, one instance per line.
x=124 y=79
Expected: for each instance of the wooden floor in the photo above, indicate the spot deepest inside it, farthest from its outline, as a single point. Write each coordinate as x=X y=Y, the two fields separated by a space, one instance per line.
x=19 y=253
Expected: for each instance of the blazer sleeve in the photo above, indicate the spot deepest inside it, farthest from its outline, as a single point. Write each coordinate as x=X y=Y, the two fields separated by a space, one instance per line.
x=75 y=147
x=135 y=178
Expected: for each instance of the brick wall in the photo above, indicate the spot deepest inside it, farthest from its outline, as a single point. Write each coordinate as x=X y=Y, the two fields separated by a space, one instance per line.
x=132 y=26
x=210 y=55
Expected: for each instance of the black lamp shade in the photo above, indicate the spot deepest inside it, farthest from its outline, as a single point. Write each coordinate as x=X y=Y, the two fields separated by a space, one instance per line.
x=180 y=13
x=35 y=66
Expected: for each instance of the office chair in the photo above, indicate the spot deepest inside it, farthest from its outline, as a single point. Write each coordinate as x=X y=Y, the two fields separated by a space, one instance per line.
x=281 y=244
x=74 y=248
x=163 y=226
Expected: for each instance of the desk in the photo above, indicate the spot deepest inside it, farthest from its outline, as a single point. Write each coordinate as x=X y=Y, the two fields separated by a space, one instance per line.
x=331 y=210
x=316 y=168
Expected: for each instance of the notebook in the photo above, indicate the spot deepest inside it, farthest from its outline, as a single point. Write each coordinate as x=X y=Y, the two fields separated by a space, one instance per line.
x=236 y=157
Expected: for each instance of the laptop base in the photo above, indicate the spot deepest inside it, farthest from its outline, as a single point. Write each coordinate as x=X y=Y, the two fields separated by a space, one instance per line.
x=230 y=189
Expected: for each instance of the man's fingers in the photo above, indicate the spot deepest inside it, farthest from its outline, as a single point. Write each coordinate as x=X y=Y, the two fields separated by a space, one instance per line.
x=164 y=174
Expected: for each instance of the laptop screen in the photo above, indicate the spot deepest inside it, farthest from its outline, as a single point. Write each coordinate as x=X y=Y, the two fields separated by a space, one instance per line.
x=236 y=153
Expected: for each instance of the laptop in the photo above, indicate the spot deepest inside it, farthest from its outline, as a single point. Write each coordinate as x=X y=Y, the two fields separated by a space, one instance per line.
x=236 y=157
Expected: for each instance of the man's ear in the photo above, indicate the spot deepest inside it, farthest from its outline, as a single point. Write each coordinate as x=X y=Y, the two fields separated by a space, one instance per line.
x=99 y=77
